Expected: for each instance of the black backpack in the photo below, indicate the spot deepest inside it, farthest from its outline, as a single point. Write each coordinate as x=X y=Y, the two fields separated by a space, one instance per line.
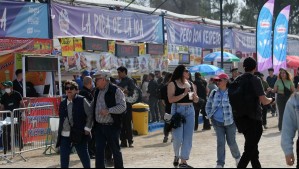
x=242 y=97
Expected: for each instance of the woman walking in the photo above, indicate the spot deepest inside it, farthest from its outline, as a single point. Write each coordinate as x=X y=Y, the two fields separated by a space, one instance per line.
x=218 y=109
x=182 y=93
x=284 y=87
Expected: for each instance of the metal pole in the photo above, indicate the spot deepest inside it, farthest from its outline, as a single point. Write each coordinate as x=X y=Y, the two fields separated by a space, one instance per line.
x=24 y=75
x=221 y=32
x=59 y=78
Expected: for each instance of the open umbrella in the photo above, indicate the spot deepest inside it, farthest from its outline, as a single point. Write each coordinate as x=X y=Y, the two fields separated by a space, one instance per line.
x=206 y=69
x=216 y=56
x=293 y=61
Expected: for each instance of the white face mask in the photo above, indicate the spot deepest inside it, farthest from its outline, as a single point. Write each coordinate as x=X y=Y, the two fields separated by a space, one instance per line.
x=8 y=90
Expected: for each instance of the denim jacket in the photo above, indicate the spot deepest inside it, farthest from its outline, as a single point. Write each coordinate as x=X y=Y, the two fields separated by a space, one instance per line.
x=215 y=101
x=290 y=124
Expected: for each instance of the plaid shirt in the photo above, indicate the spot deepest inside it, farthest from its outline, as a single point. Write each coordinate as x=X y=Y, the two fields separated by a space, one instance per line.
x=215 y=101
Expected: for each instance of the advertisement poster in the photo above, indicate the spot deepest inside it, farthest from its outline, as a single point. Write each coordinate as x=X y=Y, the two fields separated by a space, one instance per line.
x=175 y=50
x=36 y=126
x=107 y=61
x=67 y=46
x=71 y=21
x=281 y=40
x=24 y=20
x=264 y=36
x=7 y=63
x=78 y=43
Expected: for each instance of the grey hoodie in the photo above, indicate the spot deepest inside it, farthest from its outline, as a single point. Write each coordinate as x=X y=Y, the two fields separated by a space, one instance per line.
x=290 y=124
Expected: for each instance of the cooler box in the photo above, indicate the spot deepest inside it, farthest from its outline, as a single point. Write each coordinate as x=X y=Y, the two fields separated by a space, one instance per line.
x=140 y=118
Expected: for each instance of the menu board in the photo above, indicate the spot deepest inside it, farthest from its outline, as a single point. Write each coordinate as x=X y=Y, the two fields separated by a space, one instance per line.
x=126 y=50
x=184 y=58
x=94 y=44
x=41 y=64
x=155 y=49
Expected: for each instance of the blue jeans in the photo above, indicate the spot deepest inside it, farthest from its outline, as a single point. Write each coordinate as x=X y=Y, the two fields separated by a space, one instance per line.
x=183 y=136
x=154 y=110
x=225 y=133
x=108 y=135
x=82 y=150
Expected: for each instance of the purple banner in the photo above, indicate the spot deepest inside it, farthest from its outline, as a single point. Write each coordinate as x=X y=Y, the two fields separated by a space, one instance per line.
x=244 y=42
x=23 y=20
x=191 y=34
x=264 y=36
x=69 y=21
x=281 y=39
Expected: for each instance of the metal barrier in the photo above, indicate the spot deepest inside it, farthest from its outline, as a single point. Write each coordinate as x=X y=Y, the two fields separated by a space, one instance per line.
x=6 y=136
x=32 y=129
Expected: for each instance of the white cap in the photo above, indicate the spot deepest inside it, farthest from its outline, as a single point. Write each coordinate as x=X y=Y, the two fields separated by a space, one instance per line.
x=104 y=73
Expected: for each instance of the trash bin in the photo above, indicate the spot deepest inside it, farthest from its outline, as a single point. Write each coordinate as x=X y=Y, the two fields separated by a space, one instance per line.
x=140 y=118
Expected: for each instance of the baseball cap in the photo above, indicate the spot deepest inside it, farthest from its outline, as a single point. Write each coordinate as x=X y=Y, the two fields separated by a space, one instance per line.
x=249 y=64
x=222 y=76
x=105 y=73
x=7 y=84
x=86 y=73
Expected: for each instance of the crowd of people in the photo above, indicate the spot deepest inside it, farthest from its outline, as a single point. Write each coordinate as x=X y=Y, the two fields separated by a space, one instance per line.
x=183 y=99
x=96 y=116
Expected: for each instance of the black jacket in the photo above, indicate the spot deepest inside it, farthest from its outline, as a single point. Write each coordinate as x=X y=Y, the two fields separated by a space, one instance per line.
x=85 y=92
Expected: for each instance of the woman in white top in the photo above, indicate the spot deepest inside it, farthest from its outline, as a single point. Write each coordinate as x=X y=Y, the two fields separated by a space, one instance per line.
x=144 y=88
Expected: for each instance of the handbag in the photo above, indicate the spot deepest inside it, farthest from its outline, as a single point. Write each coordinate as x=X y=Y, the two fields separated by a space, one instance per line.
x=287 y=92
x=76 y=135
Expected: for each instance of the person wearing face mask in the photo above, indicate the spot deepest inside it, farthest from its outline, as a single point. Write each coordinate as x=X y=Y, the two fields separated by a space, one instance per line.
x=11 y=100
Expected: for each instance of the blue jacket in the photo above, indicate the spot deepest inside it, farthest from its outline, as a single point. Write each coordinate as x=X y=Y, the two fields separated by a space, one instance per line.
x=290 y=124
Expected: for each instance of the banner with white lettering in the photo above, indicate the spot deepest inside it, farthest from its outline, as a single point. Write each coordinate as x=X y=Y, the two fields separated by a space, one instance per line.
x=190 y=34
x=244 y=42
x=107 y=24
x=23 y=20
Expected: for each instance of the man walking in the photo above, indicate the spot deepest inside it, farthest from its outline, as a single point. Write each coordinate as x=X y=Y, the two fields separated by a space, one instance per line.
x=249 y=117
x=86 y=92
x=110 y=104
x=296 y=80
x=127 y=86
x=153 y=99
x=271 y=80
x=202 y=92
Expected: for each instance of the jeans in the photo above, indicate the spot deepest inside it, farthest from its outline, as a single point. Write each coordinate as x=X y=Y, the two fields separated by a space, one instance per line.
x=82 y=150
x=252 y=136
x=206 y=122
x=196 y=120
x=281 y=103
x=153 y=103
x=183 y=136
x=126 y=134
x=225 y=133
x=108 y=135
x=265 y=112
x=161 y=109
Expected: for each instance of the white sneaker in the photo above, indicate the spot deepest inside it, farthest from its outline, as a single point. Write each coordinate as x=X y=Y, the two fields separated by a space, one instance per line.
x=219 y=166
x=237 y=162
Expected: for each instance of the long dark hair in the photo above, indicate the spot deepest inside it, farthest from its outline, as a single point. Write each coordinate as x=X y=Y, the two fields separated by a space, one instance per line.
x=289 y=76
x=144 y=78
x=167 y=78
x=178 y=73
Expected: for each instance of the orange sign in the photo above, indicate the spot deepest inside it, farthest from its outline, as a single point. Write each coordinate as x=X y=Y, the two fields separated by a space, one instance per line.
x=111 y=45
x=67 y=46
x=7 y=63
x=141 y=49
x=78 y=45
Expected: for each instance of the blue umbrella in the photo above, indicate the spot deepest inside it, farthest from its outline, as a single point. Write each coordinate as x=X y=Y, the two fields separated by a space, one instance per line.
x=206 y=69
x=216 y=56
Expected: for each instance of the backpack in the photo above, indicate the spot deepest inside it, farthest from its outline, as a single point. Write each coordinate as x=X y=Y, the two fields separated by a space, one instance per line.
x=242 y=97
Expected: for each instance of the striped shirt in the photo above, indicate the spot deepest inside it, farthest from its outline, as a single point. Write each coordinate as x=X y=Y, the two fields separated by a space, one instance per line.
x=101 y=105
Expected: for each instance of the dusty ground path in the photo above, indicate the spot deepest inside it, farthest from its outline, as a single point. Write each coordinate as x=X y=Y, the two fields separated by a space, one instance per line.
x=150 y=152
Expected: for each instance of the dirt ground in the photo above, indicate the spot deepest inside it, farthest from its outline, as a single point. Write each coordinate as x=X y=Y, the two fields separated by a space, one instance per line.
x=150 y=152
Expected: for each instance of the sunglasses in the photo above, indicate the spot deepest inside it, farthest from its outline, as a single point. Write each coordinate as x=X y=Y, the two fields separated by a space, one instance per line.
x=70 y=88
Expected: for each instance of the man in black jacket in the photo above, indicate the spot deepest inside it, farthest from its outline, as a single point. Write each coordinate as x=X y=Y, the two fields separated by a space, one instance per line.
x=110 y=104
x=128 y=87
x=153 y=99
x=296 y=79
x=86 y=92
